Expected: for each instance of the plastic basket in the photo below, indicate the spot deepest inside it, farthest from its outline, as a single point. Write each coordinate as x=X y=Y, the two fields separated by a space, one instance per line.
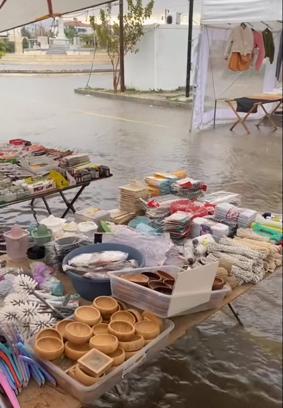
x=88 y=395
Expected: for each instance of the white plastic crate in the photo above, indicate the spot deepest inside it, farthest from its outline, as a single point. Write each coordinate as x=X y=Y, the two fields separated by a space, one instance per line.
x=192 y=288
x=88 y=395
x=215 y=301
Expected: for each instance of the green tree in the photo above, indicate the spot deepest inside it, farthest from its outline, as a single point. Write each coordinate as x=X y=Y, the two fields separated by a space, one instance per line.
x=107 y=32
x=70 y=33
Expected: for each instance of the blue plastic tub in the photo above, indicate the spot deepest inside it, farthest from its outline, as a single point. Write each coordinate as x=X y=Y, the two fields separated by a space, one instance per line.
x=89 y=289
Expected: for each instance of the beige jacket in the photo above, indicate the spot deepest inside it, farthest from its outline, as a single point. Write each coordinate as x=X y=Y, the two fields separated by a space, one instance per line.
x=240 y=40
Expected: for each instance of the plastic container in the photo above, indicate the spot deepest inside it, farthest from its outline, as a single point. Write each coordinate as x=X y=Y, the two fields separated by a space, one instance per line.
x=192 y=288
x=92 y=214
x=215 y=301
x=41 y=235
x=88 y=395
x=17 y=243
x=88 y=288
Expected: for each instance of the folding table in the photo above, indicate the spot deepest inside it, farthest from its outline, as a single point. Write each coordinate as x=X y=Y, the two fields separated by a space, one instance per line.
x=255 y=102
x=43 y=196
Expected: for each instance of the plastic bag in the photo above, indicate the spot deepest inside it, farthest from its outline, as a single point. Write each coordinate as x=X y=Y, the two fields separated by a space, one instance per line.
x=154 y=248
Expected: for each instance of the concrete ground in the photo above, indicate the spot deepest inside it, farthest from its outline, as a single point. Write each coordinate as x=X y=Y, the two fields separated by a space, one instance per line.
x=134 y=140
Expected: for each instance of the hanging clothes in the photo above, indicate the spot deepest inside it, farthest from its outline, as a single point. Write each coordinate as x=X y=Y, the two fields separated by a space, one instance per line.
x=279 y=58
x=239 y=63
x=259 y=45
x=241 y=40
x=268 y=44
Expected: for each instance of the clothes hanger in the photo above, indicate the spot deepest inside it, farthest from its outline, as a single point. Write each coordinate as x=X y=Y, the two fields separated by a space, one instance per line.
x=267 y=26
x=252 y=27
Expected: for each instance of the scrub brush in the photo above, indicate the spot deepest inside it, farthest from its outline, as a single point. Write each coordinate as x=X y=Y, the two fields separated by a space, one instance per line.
x=25 y=284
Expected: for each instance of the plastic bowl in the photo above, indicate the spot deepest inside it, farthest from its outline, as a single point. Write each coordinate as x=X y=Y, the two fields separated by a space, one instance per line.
x=92 y=288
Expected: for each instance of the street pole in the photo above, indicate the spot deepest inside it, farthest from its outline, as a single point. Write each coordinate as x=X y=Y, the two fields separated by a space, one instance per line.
x=190 y=41
x=122 y=65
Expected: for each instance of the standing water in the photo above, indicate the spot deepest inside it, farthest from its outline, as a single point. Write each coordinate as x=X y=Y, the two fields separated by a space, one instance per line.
x=218 y=364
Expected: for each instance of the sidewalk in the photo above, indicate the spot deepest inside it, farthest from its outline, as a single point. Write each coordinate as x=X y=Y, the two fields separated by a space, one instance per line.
x=174 y=99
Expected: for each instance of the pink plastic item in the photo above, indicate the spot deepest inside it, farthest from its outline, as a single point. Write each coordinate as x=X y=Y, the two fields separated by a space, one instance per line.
x=17 y=242
x=8 y=391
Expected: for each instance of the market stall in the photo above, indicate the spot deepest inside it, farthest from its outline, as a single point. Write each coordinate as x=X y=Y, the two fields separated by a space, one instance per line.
x=239 y=56
x=83 y=316
x=29 y=172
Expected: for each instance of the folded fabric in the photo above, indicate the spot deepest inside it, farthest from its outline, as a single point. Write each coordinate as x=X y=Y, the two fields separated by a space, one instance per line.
x=246 y=104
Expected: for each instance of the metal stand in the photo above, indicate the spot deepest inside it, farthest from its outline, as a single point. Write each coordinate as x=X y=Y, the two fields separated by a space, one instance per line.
x=236 y=314
x=69 y=204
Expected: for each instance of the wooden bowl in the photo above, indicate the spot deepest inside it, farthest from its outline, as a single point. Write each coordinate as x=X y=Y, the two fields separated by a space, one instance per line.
x=71 y=372
x=84 y=378
x=130 y=354
x=218 y=284
x=123 y=316
x=106 y=305
x=169 y=282
x=49 y=333
x=100 y=328
x=78 y=333
x=75 y=351
x=150 y=316
x=137 y=278
x=60 y=326
x=106 y=343
x=135 y=344
x=165 y=275
x=123 y=330
x=118 y=356
x=49 y=348
x=148 y=329
x=136 y=314
x=152 y=276
x=153 y=284
x=88 y=315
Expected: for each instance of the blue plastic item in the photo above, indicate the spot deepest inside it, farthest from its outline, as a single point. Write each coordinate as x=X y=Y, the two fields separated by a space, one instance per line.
x=88 y=288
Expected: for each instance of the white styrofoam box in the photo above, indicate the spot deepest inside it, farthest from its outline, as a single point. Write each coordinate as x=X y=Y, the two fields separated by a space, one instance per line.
x=88 y=395
x=85 y=215
x=215 y=301
x=192 y=288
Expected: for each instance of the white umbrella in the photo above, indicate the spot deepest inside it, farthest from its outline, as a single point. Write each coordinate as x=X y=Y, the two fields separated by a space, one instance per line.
x=16 y=13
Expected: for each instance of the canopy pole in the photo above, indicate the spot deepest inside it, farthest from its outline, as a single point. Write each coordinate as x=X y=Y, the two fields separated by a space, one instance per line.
x=122 y=62
x=190 y=41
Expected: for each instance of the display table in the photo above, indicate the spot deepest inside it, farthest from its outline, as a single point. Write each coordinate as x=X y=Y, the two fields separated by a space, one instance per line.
x=48 y=396
x=43 y=196
x=251 y=104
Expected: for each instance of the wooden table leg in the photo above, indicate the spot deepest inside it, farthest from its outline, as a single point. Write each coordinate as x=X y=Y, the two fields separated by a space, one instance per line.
x=240 y=120
x=268 y=116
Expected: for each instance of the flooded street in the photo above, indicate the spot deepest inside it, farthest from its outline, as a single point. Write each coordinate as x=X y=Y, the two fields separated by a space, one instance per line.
x=219 y=364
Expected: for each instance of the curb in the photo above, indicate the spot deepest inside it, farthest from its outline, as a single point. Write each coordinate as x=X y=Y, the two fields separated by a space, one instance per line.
x=53 y=71
x=132 y=98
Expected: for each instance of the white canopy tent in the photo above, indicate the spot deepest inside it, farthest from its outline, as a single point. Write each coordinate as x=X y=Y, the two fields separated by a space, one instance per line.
x=16 y=13
x=213 y=81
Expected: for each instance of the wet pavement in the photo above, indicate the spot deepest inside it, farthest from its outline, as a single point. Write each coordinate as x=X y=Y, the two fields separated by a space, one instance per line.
x=219 y=364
